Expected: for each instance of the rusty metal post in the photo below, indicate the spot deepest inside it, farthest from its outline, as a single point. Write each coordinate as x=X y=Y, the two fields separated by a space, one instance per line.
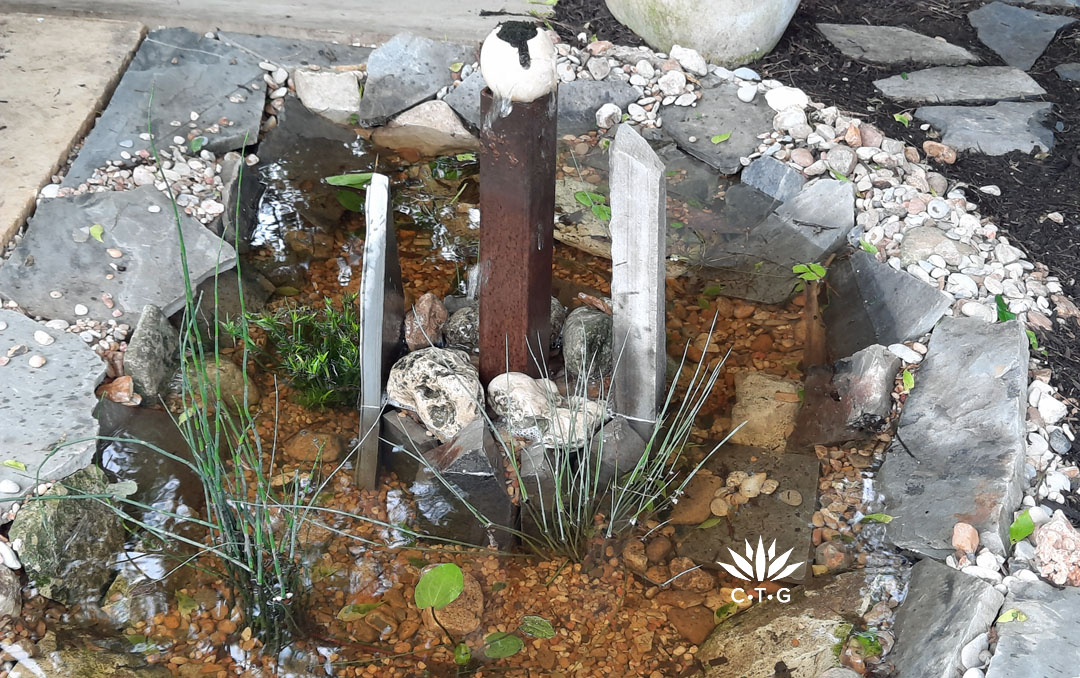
x=517 y=216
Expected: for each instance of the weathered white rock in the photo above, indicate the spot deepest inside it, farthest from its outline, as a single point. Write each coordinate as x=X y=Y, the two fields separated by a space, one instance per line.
x=780 y=98
x=333 y=95
x=432 y=128
x=441 y=386
x=690 y=59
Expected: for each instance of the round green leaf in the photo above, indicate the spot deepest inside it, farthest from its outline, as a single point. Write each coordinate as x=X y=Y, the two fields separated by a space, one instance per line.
x=439 y=586
x=462 y=654
x=537 y=627
x=499 y=645
x=353 y=202
x=355 y=180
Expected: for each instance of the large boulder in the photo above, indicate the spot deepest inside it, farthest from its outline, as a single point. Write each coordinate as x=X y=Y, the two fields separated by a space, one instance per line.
x=67 y=545
x=726 y=32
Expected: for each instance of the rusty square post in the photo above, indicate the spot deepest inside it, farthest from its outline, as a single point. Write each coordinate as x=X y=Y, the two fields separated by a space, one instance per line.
x=517 y=216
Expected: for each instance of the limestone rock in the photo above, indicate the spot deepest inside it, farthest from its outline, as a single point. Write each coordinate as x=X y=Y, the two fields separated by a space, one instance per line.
x=67 y=545
x=1057 y=551
x=10 y=593
x=474 y=463
x=404 y=71
x=964 y=419
x=333 y=95
x=756 y=639
x=432 y=128
x=719 y=110
x=237 y=390
x=769 y=419
x=943 y=611
x=462 y=329
x=1018 y=35
x=994 y=130
x=1044 y=644
x=441 y=386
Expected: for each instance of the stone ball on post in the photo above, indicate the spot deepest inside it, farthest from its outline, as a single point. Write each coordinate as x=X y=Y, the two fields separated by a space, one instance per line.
x=517 y=61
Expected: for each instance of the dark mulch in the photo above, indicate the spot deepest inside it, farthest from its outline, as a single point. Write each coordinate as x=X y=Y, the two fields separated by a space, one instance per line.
x=1032 y=186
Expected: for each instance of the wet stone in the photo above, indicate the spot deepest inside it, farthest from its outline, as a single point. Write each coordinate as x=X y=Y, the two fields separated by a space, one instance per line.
x=405 y=71
x=994 y=130
x=759 y=639
x=441 y=386
x=73 y=662
x=151 y=357
x=579 y=100
x=874 y=303
x=474 y=463
x=402 y=440
x=1019 y=36
x=963 y=428
x=185 y=72
x=765 y=516
x=848 y=400
x=944 y=610
x=302 y=146
x=291 y=53
x=1045 y=643
x=68 y=546
x=42 y=406
x=956 y=84
x=620 y=448
x=893 y=45
x=688 y=177
x=587 y=342
x=148 y=271
x=773 y=178
x=806 y=228
x=720 y=112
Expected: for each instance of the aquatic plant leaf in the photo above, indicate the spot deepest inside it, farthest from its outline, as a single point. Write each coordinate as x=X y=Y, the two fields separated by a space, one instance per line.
x=501 y=644
x=96 y=231
x=537 y=627
x=439 y=586
x=350 y=201
x=462 y=654
x=354 y=180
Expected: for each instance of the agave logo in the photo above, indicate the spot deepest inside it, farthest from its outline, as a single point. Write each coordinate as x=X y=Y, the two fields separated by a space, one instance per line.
x=760 y=565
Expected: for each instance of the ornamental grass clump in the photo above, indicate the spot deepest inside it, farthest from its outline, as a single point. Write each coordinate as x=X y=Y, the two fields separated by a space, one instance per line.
x=572 y=494
x=318 y=349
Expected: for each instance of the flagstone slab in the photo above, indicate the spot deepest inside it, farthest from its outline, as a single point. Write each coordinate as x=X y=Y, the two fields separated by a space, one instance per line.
x=140 y=249
x=290 y=53
x=944 y=610
x=893 y=45
x=1019 y=36
x=960 y=84
x=767 y=517
x=1069 y=71
x=719 y=112
x=176 y=73
x=873 y=303
x=1045 y=643
x=42 y=407
x=42 y=125
x=994 y=130
x=959 y=454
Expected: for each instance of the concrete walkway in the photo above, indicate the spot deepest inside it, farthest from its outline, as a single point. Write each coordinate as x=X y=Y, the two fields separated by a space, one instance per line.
x=58 y=73
x=344 y=20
